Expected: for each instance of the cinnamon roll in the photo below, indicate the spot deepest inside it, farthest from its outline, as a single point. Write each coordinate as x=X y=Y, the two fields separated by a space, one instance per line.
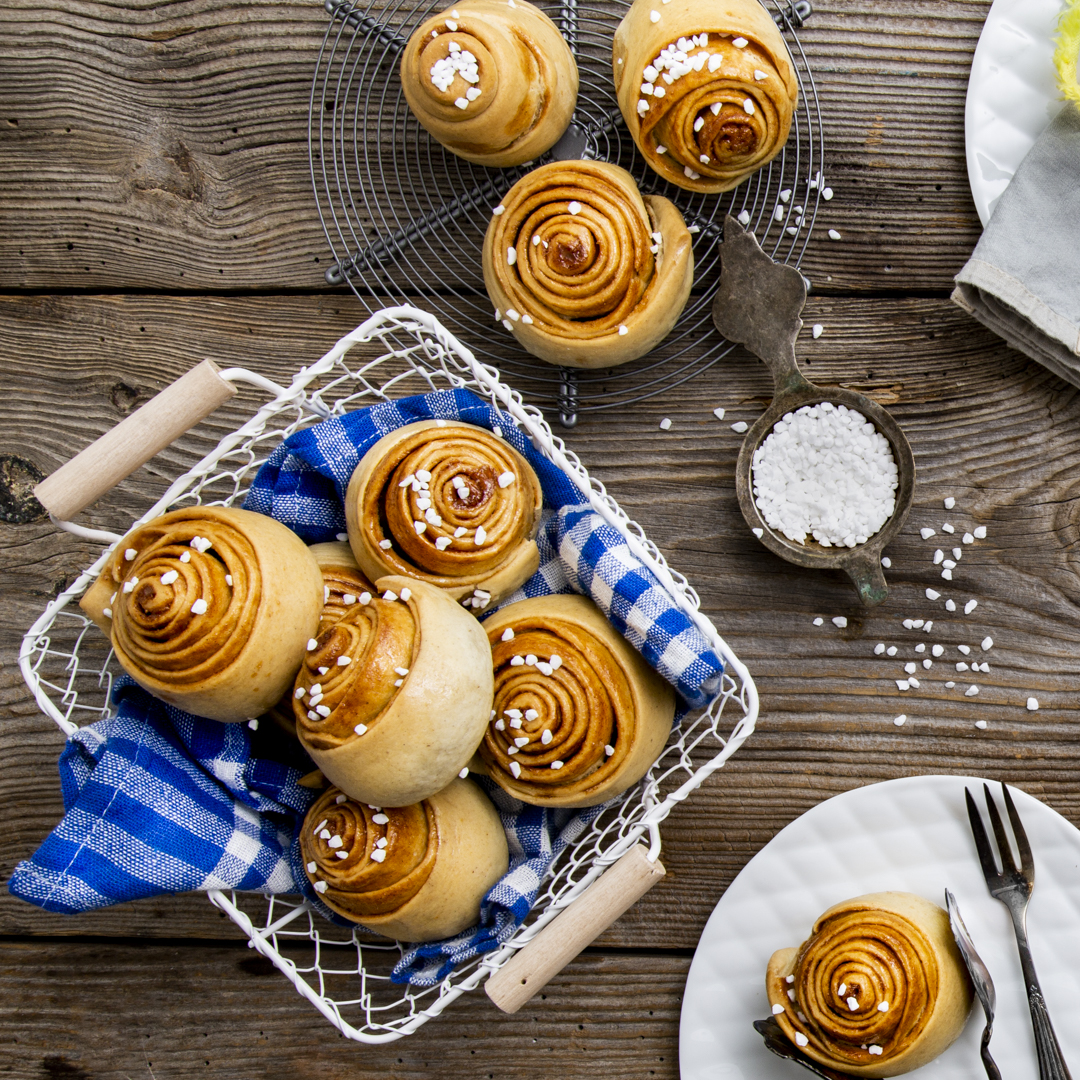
x=494 y=82
x=210 y=608
x=417 y=872
x=578 y=715
x=583 y=270
x=879 y=988
x=451 y=505
x=708 y=91
x=393 y=698
x=344 y=585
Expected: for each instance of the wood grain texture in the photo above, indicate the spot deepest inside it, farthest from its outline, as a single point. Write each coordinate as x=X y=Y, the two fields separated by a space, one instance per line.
x=165 y=147
x=178 y=1010
x=987 y=427
x=159 y=153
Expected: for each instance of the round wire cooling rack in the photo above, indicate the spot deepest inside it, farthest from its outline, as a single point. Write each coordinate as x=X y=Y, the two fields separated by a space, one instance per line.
x=405 y=218
x=69 y=667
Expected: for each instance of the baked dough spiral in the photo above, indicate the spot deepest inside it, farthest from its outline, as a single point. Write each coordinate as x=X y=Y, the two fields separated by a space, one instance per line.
x=209 y=608
x=452 y=505
x=708 y=91
x=583 y=270
x=879 y=988
x=579 y=715
x=343 y=585
x=394 y=697
x=418 y=872
x=494 y=82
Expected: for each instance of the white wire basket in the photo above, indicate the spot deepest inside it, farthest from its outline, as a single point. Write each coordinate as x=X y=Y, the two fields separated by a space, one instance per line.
x=345 y=974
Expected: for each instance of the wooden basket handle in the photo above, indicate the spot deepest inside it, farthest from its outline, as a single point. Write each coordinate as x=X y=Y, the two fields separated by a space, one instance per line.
x=533 y=967
x=134 y=441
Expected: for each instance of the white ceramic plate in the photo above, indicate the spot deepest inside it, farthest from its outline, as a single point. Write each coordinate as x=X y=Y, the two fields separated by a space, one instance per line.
x=1012 y=94
x=908 y=835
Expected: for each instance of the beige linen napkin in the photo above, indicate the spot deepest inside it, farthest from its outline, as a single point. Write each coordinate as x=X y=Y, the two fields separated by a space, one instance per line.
x=1023 y=279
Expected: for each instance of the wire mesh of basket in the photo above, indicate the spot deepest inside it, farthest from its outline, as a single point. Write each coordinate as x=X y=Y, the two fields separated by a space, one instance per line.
x=345 y=974
x=405 y=218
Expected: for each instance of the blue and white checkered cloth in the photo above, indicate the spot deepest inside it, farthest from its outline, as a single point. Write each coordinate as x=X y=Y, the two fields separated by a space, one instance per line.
x=160 y=801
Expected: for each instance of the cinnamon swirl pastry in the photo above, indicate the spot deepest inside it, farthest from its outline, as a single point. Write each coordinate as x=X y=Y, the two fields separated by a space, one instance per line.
x=209 y=608
x=494 y=82
x=344 y=585
x=578 y=716
x=393 y=698
x=708 y=91
x=879 y=988
x=451 y=505
x=418 y=872
x=582 y=269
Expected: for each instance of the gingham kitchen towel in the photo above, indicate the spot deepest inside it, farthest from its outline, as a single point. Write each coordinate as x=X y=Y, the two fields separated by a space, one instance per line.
x=159 y=801
x=121 y=839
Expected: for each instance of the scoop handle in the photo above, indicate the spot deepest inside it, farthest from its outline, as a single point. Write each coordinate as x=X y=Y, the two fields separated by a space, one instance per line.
x=787 y=378
x=868 y=577
x=134 y=441
x=535 y=965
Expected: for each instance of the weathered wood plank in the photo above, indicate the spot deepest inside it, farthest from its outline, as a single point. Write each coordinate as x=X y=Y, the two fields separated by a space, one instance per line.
x=989 y=428
x=229 y=1014
x=165 y=148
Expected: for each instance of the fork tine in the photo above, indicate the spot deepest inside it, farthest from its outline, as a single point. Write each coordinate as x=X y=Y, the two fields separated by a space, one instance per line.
x=982 y=841
x=1008 y=863
x=1027 y=860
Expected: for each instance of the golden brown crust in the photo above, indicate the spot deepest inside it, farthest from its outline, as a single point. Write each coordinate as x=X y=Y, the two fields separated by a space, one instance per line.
x=343 y=586
x=878 y=989
x=343 y=580
x=734 y=107
x=440 y=857
x=213 y=610
x=582 y=270
x=401 y=719
x=459 y=468
x=518 y=95
x=568 y=672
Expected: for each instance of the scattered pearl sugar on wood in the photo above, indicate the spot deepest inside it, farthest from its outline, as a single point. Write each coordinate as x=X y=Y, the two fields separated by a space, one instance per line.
x=826 y=471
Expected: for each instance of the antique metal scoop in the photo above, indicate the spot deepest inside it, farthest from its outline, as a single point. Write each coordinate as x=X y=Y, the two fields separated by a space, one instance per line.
x=759 y=305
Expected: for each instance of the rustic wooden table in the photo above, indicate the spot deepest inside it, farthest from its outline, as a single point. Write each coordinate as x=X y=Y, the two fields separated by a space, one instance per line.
x=157 y=210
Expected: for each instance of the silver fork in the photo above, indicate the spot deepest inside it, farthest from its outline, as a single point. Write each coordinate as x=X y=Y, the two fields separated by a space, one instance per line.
x=1012 y=885
x=980 y=978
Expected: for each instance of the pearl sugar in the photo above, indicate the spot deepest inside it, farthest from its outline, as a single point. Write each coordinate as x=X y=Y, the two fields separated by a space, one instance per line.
x=825 y=471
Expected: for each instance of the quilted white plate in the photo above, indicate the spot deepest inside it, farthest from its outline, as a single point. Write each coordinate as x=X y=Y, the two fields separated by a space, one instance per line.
x=909 y=835
x=1012 y=94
